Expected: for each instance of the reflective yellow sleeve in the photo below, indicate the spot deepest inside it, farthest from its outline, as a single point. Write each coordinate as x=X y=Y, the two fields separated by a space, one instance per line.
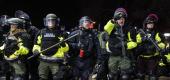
x=129 y=37
x=36 y=47
x=157 y=37
x=109 y=27
x=39 y=39
x=161 y=45
x=61 y=51
x=168 y=57
x=138 y=38
x=107 y=47
x=13 y=56
x=22 y=50
x=131 y=45
x=161 y=63
x=37 y=44
x=66 y=48
x=59 y=54
x=16 y=54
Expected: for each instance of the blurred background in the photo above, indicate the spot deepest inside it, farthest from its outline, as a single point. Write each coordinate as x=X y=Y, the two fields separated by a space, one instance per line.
x=70 y=11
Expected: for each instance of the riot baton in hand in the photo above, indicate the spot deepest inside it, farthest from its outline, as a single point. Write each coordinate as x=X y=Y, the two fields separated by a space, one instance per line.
x=154 y=43
x=150 y=39
x=34 y=55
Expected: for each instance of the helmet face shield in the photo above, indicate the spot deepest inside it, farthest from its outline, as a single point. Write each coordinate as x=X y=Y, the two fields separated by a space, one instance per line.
x=16 y=21
x=50 y=23
x=86 y=22
x=150 y=22
x=119 y=15
x=51 y=20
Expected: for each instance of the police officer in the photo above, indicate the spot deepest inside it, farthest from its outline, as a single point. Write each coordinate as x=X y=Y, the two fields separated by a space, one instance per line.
x=85 y=46
x=32 y=64
x=117 y=45
x=167 y=60
x=16 y=47
x=148 y=59
x=53 y=57
x=4 y=29
x=101 y=68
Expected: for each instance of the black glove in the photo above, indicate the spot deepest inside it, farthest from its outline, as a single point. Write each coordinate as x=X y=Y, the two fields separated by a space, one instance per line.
x=36 y=52
x=145 y=38
x=63 y=44
x=80 y=45
x=163 y=52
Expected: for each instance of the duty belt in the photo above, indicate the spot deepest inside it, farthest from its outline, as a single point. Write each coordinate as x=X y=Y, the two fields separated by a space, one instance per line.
x=51 y=59
x=148 y=56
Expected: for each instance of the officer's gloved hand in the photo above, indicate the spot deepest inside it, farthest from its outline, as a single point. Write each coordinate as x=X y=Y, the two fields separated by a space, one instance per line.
x=163 y=52
x=80 y=45
x=145 y=38
x=63 y=44
x=36 y=52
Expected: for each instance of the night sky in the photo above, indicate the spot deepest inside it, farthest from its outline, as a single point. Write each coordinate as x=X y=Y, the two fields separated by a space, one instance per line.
x=70 y=11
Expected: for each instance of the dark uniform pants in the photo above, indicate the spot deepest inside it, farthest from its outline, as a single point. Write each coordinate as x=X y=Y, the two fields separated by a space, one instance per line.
x=83 y=68
x=46 y=67
x=119 y=63
x=19 y=68
x=147 y=65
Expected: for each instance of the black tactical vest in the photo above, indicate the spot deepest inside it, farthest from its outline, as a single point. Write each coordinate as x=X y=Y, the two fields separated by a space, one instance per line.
x=115 y=38
x=49 y=38
x=147 y=46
